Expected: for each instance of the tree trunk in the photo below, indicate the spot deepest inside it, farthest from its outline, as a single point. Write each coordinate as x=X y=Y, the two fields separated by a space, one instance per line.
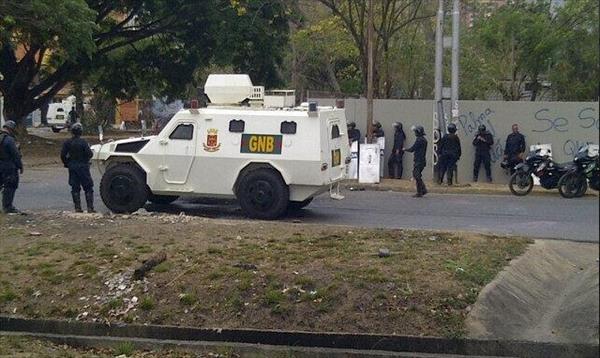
x=78 y=92
x=44 y=114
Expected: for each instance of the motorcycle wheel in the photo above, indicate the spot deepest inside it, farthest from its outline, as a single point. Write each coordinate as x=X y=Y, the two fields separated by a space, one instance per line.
x=583 y=189
x=572 y=185
x=520 y=183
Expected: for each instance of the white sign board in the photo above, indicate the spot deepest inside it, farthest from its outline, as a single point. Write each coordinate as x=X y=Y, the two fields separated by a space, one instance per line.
x=353 y=166
x=381 y=143
x=368 y=169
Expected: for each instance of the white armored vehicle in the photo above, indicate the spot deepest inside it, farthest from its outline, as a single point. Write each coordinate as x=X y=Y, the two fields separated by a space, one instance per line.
x=270 y=159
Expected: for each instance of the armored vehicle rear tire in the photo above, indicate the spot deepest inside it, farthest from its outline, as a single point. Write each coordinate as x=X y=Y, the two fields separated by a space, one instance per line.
x=162 y=199
x=123 y=189
x=297 y=205
x=263 y=194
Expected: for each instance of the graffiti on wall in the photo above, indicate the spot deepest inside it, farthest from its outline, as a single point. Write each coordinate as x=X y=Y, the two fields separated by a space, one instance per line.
x=586 y=118
x=470 y=122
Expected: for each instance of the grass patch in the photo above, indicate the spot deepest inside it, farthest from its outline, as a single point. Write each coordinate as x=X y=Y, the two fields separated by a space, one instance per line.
x=278 y=276
x=188 y=299
x=125 y=348
x=146 y=304
x=8 y=295
x=163 y=267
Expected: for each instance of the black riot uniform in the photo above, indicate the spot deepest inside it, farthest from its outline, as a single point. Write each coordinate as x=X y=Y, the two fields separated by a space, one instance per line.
x=419 y=149
x=353 y=133
x=378 y=131
x=450 y=152
x=483 y=142
x=10 y=166
x=513 y=152
x=76 y=155
x=395 y=160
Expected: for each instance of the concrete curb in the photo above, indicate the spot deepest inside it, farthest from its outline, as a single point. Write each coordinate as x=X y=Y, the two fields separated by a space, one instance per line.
x=223 y=348
x=344 y=341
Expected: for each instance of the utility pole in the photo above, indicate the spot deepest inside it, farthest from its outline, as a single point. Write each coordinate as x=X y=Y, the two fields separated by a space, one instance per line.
x=442 y=108
x=455 y=58
x=370 y=75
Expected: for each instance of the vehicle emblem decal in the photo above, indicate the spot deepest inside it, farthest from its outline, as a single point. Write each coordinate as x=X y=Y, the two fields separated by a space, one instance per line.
x=212 y=140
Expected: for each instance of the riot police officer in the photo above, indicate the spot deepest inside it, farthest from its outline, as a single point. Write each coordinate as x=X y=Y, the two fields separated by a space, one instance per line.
x=378 y=131
x=419 y=148
x=395 y=159
x=450 y=152
x=10 y=166
x=76 y=155
x=514 y=149
x=483 y=142
x=353 y=133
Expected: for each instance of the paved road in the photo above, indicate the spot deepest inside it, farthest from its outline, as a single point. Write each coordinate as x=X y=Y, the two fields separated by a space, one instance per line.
x=535 y=216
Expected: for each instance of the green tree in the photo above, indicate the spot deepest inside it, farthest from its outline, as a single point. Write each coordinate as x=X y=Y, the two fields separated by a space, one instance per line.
x=323 y=57
x=575 y=71
x=391 y=18
x=127 y=47
x=512 y=48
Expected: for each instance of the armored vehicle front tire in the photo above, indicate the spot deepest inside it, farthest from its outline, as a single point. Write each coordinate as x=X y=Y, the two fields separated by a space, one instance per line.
x=263 y=194
x=123 y=189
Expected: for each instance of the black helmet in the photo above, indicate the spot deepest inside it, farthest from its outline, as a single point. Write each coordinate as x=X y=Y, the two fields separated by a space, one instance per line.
x=397 y=125
x=377 y=124
x=419 y=131
x=77 y=129
x=10 y=125
x=482 y=128
x=352 y=125
x=451 y=128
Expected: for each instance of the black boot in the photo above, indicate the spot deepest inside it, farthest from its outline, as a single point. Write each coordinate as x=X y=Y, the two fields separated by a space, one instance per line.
x=8 y=195
x=77 y=201
x=89 y=200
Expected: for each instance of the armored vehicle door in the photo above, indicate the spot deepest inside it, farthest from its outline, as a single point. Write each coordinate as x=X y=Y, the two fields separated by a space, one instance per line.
x=336 y=139
x=179 y=152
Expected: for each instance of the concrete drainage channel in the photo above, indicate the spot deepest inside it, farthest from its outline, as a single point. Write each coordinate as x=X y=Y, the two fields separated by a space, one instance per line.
x=247 y=342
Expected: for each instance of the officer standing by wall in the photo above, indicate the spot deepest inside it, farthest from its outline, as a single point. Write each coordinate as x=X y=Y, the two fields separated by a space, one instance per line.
x=72 y=116
x=419 y=149
x=10 y=166
x=450 y=152
x=483 y=142
x=76 y=155
x=514 y=149
x=353 y=133
x=395 y=160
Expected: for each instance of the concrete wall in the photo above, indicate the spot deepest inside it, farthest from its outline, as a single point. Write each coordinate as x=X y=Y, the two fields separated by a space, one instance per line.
x=565 y=125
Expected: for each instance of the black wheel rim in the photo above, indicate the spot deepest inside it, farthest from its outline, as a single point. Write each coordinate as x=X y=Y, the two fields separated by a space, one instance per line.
x=261 y=194
x=122 y=189
x=522 y=181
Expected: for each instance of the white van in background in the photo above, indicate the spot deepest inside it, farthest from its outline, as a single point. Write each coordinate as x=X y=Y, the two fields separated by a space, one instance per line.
x=58 y=116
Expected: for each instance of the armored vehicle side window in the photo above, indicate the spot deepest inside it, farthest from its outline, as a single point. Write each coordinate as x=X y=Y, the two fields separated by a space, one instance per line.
x=236 y=126
x=288 y=127
x=335 y=131
x=183 y=131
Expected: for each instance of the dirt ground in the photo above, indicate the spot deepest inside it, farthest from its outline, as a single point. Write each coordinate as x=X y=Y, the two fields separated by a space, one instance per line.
x=249 y=274
x=22 y=347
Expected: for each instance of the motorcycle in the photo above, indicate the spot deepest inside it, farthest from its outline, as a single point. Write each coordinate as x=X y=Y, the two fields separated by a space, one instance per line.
x=585 y=169
x=540 y=164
